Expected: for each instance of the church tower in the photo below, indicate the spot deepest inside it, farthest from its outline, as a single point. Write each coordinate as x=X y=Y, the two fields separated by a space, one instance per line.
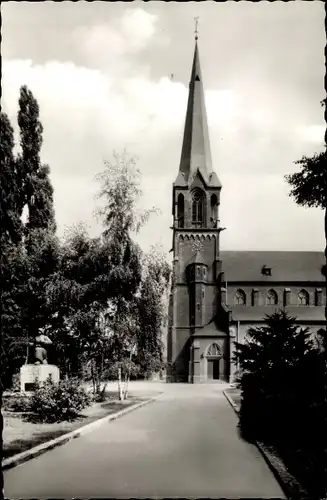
x=198 y=346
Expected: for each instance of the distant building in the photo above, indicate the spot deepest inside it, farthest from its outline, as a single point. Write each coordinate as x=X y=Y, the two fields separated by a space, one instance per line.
x=217 y=296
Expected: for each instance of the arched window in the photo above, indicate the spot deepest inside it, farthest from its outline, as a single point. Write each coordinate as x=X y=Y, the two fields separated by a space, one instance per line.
x=303 y=298
x=180 y=210
x=214 y=210
x=197 y=208
x=271 y=298
x=214 y=350
x=240 y=298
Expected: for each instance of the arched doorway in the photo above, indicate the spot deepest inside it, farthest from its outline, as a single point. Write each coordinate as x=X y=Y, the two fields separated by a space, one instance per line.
x=213 y=361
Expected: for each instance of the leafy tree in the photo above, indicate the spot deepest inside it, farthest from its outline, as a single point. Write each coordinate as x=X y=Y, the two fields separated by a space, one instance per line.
x=11 y=231
x=119 y=194
x=154 y=286
x=78 y=293
x=283 y=396
x=93 y=295
x=11 y=190
x=270 y=363
x=33 y=258
x=38 y=188
x=309 y=186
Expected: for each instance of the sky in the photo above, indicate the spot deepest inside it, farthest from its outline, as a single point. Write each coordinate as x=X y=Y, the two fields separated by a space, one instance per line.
x=114 y=76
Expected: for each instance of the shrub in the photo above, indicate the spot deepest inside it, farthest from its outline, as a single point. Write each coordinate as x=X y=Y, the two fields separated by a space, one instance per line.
x=52 y=402
x=15 y=387
x=18 y=403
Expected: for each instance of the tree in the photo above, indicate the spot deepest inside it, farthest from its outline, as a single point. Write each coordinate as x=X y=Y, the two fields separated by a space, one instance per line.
x=271 y=363
x=283 y=396
x=154 y=286
x=38 y=188
x=119 y=193
x=78 y=293
x=33 y=249
x=92 y=294
x=309 y=186
x=11 y=190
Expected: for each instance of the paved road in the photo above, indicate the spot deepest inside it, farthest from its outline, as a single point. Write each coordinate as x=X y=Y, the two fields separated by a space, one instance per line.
x=183 y=445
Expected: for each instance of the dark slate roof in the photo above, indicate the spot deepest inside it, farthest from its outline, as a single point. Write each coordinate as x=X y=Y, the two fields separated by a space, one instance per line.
x=257 y=313
x=242 y=265
x=196 y=153
x=210 y=330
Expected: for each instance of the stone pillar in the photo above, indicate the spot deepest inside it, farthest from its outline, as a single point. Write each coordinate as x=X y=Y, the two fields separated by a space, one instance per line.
x=232 y=366
x=196 y=362
x=223 y=295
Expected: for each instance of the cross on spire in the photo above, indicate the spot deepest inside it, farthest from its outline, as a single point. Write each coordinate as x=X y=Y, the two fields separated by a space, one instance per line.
x=196 y=155
x=196 y=19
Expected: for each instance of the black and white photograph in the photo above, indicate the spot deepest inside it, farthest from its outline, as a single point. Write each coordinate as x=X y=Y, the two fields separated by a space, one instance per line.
x=163 y=250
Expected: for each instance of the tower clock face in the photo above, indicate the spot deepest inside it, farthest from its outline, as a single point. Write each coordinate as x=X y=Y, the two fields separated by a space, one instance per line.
x=197 y=246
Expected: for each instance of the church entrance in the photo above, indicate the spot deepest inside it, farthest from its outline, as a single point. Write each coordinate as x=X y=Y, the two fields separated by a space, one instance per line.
x=213 y=369
x=214 y=362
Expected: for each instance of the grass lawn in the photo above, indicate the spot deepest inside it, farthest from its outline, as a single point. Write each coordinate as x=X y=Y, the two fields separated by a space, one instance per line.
x=20 y=435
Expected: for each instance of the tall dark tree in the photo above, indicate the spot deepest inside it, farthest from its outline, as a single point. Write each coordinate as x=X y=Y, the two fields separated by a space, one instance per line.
x=11 y=189
x=12 y=198
x=283 y=396
x=25 y=183
x=270 y=362
x=38 y=187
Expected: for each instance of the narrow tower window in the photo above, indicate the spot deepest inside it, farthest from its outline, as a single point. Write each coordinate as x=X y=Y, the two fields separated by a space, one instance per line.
x=197 y=209
x=180 y=210
x=214 y=210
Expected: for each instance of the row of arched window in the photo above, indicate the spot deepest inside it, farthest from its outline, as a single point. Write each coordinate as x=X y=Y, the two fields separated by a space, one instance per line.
x=271 y=297
x=198 y=209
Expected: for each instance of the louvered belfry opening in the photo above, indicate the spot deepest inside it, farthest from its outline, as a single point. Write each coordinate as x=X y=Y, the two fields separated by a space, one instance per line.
x=197 y=209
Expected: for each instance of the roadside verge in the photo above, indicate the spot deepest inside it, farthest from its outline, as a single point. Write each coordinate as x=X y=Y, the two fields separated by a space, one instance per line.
x=24 y=456
x=290 y=486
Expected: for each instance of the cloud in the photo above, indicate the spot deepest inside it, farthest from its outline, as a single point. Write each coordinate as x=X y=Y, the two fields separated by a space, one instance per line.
x=313 y=133
x=107 y=99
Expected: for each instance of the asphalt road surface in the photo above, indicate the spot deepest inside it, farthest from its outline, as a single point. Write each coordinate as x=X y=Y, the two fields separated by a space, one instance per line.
x=185 y=444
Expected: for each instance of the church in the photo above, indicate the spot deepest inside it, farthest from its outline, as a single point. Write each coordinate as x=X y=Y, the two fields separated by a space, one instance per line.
x=217 y=295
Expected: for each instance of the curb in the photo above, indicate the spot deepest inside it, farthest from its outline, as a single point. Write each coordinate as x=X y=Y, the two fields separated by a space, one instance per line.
x=34 y=452
x=231 y=402
x=290 y=486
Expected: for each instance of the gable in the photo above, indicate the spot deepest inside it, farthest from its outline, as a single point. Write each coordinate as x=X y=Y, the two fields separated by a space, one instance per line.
x=197 y=181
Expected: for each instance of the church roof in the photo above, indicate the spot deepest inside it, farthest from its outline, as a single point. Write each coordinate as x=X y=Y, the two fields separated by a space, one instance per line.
x=196 y=154
x=210 y=330
x=286 y=266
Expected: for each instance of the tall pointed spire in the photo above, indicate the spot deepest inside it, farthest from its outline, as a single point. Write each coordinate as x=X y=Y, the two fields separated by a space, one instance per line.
x=196 y=154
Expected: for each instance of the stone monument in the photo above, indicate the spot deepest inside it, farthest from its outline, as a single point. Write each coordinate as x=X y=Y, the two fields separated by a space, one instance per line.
x=37 y=367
